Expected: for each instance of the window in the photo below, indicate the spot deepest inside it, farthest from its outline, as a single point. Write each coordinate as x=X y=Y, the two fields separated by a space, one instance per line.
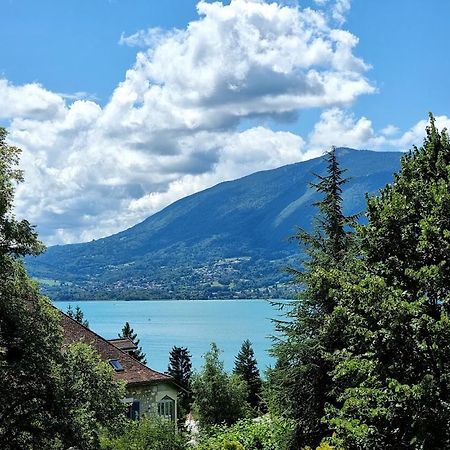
x=115 y=363
x=133 y=410
x=166 y=408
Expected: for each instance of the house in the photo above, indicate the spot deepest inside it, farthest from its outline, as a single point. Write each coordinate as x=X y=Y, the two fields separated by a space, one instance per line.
x=148 y=392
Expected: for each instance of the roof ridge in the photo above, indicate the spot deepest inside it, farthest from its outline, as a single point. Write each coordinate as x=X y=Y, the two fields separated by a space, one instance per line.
x=109 y=343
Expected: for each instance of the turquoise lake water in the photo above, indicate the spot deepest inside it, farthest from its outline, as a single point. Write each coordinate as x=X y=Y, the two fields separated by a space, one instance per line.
x=188 y=323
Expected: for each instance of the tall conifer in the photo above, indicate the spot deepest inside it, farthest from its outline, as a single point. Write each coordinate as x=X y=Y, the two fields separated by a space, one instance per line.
x=299 y=385
x=180 y=368
x=246 y=366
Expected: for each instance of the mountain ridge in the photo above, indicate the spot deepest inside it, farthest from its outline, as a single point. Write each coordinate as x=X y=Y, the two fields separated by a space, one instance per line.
x=226 y=241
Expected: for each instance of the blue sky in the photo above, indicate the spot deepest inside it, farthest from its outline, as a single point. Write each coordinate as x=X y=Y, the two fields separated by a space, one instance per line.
x=104 y=148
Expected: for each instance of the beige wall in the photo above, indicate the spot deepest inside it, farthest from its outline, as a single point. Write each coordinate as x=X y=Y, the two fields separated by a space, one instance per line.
x=149 y=396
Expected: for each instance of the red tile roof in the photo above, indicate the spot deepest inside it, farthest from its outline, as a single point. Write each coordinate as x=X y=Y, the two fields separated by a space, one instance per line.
x=134 y=372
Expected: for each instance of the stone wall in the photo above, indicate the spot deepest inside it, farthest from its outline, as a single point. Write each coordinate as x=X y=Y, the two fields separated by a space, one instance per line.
x=148 y=397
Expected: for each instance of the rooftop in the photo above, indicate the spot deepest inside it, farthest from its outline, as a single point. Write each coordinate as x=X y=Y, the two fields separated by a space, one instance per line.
x=133 y=372
x=125 y=344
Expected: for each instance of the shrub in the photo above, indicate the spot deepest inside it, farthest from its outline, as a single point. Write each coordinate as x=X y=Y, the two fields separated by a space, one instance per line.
x=264 y=433
x=146 y=434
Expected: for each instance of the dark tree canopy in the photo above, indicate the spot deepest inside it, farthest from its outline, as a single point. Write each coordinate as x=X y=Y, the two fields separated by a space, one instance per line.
x=364 y=360
x=41 y=404
x=128 y=332
x=180 y=368
x=246 y=366
x=391 y=376
x=300 y=384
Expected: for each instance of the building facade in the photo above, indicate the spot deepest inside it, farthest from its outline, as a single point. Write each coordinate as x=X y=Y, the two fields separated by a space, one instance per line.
x=149 y=392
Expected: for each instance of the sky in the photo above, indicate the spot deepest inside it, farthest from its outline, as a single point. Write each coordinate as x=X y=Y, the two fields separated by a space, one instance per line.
x=123 y=107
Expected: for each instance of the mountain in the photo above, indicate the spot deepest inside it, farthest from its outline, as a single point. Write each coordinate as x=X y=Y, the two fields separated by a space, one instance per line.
x=229 y=241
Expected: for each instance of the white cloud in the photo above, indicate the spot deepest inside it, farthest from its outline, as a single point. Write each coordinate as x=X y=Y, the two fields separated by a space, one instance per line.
x=147 y=38
x=341 y=128
x=390 y=130
x=337 y=9
x=30 y=101
x=171 y=126
x=416 y=134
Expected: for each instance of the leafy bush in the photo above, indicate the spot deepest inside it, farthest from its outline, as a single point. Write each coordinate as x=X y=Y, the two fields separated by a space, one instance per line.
x=220 y=398
x=322 y=446
x=146 y=434
x=265 y=433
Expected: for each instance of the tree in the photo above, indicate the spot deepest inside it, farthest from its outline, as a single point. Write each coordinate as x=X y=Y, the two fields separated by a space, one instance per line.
x=219 y=398
x=17 y=238
x=36 y=407
x=128 y=332
x=77 y=315
x=90 y=398
x=246 y=366
x=391 y=376
x=300 y=385
x=27 y=381
x=180 y=368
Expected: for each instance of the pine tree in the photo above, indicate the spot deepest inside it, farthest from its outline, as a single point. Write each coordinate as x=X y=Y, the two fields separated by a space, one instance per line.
x=300 y=385
x=180 y=368
x=246 y=366
x=128 y=332
x=77 y=315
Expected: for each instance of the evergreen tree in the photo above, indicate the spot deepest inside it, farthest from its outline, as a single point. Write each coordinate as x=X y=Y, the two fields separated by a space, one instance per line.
x=77 y=315
x=180 y=368
x=128 y=332
x=391 y=375
x=246 y=366
x=300 y=385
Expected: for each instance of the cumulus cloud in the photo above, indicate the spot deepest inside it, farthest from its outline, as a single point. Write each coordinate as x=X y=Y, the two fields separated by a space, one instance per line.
x=340 y=128
x=29 y=101
x=174 y=125
x=343 y=129
x=337 y=9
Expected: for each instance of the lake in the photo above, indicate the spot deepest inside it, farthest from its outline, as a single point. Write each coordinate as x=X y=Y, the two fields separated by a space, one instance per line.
x=186 y=323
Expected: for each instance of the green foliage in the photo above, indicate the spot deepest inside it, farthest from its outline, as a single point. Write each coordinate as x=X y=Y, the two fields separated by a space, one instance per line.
x=392 y=373
x=77 y=315
x=30 y=339
x=322 y=446
x=246 y=367
x=219 y=398
x=146 y=434
x=180 y=368
x=17 y=238
x=91 y=397
x=264 y=433
x=300 y=385
x=49 y=400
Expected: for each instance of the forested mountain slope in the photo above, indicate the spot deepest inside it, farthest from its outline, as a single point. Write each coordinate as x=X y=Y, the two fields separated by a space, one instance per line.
x=226 y=241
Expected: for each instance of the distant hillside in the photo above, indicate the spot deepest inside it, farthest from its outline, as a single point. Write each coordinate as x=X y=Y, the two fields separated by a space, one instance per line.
x=229 y=241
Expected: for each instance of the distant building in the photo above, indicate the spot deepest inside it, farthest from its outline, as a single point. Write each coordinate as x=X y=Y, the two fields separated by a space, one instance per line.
x=148 y=392
x=124 y=344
